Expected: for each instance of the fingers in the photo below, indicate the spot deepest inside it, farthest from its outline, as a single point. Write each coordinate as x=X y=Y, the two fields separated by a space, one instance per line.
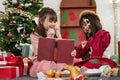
x=50 y=33
x=58 y=33
x=83 y=43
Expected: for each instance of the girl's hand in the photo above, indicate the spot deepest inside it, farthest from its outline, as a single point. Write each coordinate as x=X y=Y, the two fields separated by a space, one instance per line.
x=83 y=43
x=50 y=33
x=73 y=53
x=58 y=33
x=76 y=60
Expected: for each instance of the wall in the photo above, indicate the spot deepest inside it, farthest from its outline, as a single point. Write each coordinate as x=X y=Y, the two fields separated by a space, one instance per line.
x=106 y=13
x=1 y=6
x=104 y=10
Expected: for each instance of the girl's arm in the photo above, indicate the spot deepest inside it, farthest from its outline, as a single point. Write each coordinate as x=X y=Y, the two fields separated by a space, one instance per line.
x=101 y=42
x=80 y=52
x=34 y=41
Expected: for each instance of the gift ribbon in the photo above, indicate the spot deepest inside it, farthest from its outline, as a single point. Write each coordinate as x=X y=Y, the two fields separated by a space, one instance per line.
x=25 y=60
x=17 y=72
x=3 y=63
x=0 y=53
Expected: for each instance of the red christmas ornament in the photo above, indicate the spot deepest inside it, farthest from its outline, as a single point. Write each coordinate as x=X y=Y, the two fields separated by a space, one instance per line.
x=19 y=7
x=11 y=24
x=24 y=32
x=9 y=35
x=35 y=1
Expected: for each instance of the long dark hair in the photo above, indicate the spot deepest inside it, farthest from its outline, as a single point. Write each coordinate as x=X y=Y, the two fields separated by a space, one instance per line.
x=94 y=21
x=43 y=13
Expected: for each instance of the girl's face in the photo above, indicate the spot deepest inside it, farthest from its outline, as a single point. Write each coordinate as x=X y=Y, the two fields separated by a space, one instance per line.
x=86 y=27
x=48 y=23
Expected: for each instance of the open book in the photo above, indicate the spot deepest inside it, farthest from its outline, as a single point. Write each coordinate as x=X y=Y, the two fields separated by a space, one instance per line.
x=58 y=50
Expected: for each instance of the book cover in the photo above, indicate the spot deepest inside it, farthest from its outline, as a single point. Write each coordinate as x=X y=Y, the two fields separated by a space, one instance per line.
x=46 y=49
x=64 y=49
x=58 y=50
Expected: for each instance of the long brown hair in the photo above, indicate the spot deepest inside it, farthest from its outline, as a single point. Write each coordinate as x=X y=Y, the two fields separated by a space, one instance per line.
x=94 y=21
x=43 y=13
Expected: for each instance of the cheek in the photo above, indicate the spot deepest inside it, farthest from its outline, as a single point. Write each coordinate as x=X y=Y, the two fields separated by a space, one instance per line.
x=89 y=31
x=45 y=25
x=85 y=28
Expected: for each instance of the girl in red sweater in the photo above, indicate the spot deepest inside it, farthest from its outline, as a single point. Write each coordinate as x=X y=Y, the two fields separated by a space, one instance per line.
x=90 y=52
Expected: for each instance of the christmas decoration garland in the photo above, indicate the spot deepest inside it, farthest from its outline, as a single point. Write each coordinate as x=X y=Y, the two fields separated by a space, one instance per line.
x=31 y=6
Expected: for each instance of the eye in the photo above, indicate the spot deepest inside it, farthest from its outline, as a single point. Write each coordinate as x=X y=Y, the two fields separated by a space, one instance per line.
x=83 y=26
x=50 y=21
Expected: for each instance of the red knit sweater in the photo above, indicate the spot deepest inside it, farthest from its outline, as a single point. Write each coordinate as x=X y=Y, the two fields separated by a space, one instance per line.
x=98 y=43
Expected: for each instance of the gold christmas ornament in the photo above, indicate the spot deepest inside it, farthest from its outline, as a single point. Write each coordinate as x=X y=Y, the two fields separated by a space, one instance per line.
x=2 y=30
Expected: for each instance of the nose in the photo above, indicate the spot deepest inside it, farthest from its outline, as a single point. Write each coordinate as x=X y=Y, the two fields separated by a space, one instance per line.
x=53 y=23
x=83 y=27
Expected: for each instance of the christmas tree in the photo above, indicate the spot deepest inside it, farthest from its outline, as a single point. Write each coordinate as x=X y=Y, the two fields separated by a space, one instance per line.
x=16 y=24
x=15 y=28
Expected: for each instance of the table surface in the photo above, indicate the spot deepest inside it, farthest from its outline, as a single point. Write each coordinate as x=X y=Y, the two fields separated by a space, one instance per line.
x=90 y=78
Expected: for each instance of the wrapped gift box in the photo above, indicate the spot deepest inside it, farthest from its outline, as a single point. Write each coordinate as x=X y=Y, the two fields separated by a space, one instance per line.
x=27 y=50
x=4 y=56
x=10 y=72
x=27 y=64
x=11 y=60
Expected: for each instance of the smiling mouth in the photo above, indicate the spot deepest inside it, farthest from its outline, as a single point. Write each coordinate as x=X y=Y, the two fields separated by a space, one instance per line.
x=52 y=27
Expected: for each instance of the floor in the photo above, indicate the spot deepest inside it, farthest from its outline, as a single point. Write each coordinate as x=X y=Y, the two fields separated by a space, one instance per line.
x=90 y=78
